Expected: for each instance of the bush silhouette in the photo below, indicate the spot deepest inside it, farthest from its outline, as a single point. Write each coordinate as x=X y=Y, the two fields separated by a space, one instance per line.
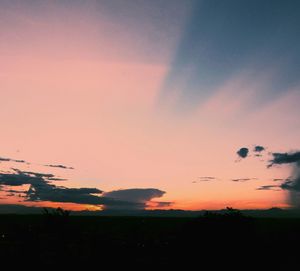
x=58 y=212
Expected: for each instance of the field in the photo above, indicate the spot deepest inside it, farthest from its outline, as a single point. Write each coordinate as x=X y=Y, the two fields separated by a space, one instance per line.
x=210 y=240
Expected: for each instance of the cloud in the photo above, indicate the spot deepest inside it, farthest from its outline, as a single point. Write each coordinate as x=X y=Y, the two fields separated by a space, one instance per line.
x=19 y=179
x=142 y=197
x=35 y=174
x=206 y=178
x=292 y=184
x=127 y=199
x=243 y=152
x=50 y=192
x=243 y=179
x=284 y=158
x=278 y=180
x=59 y=166
x=137 y=195
x=42 y=189
x=57 y=179
x=258 y=148
x=269 y=187
x=2 y=159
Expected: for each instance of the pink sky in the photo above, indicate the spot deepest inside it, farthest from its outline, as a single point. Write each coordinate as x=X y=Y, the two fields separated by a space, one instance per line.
x=82 y=91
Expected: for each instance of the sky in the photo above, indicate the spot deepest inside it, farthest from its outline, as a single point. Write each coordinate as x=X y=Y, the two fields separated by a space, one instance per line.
x=139 y=104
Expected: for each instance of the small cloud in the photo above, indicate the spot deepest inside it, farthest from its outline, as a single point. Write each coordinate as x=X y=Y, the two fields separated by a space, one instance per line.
x=206 y=178
x=59 y=166
x=19 y=161
x=258 y=148
x=2 y=159
x=57 y=179
x=269 y=187
x=243 y=179
x=48 y=176
x=243 y=152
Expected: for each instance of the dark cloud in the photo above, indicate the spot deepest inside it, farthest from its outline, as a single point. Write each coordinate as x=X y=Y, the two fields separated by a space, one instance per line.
x=127 y=199
x=34 y=174
x=42 y=189
x=136 y=194
x=258 y=148
x=19 y=161
x=50 y=192
x=2 y=159
x=288 y=185
x=18 y=179
x=284 y=158
x=292 y=184
x=269 y=187
x=243 y=179
x=243 y=152
x=59 y=166
x=139 y=196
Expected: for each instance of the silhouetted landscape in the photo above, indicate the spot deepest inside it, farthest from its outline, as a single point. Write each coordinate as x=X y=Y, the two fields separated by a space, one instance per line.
x=215 y=239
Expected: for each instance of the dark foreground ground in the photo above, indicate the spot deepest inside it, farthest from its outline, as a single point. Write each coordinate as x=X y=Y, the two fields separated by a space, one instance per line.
x=212 y=240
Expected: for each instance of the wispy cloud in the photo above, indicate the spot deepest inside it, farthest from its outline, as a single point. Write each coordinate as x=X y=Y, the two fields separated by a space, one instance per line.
x=59 y=166
x=269 y=187
x=243 y=179
x=2 y=159
x=206 y=178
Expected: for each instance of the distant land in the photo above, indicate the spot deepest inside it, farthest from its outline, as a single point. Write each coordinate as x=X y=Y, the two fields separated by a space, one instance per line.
x=272 y=212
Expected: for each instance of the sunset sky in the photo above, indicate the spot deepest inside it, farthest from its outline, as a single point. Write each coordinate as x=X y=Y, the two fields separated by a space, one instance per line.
x=146 y=103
